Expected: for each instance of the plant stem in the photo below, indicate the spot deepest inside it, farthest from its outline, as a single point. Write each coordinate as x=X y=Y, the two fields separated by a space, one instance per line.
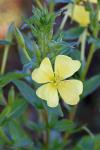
x=63 y=21
x=83 y=44
x=48 y=135
x=71 y=117
x=89 y=59
x=4 y=59
x=92 y=48
x=88 y=131
x=47 y=132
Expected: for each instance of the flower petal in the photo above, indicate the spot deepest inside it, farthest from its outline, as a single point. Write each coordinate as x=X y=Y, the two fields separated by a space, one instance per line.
x=70 y=91
x=44 y=73
x=92 y=1
x=65 y=66
x=49 y=93
x=81 y=15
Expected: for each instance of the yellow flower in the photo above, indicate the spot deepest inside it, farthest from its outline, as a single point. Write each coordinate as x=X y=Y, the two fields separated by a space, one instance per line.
x=80 y=15
x=92 y=1
x=55 y=82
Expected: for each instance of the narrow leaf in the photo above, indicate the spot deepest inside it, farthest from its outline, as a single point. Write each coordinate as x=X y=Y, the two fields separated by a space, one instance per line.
x=64 y=125
x=28 y=93
x=4 y=42
x=73 y=33
x=5 y=79
x=91 y=85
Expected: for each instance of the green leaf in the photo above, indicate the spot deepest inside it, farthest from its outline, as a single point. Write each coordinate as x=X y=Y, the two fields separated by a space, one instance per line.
x=19 y=38
x=73 y=33
x=57 y=143
x=4 y=136
x=2 y=143
x=21 y=43
x=53 y=113
x=2 y=98
x=64 y=125
x=17 y=108
x=4 y=42
x=30 y=96
x=25 y=143
x=4 y=114
x=35 y=126
x=11 y=96
x=91 y=85
x=18 y=135
x=13 y=111
x=95 y=41
x=9 y=34
x=88 y=143
x=28 y=93
x=5 y=79
x=29 y=44
x=75 y=54
x=15 y=130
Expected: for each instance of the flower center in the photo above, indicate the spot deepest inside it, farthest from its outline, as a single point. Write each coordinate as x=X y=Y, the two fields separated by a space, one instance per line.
x=56 y=81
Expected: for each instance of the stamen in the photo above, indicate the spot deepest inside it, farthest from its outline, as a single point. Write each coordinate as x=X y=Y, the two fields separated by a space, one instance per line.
x=56 y=80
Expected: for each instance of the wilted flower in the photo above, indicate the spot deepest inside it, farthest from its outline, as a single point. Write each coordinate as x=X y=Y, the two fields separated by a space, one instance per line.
x=55 y=82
